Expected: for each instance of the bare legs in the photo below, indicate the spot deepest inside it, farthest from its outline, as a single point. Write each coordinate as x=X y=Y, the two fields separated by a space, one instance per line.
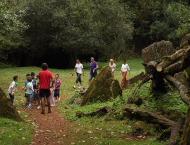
x=42 y=104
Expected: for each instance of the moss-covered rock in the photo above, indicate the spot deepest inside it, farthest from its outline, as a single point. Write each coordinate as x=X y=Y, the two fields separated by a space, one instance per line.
x=181 y=77
x=156 y=51
x=79 y=114
x=102 y=88
x=186 y=132
x=138 y=127
x=165 y=134
x=7 y=110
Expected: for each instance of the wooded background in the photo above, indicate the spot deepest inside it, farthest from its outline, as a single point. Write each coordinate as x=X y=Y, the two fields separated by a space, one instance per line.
x=60 y=31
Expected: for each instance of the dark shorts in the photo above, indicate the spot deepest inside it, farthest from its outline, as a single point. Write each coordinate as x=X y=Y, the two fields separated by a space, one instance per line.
x=56 y=93
x=92 y=75
x=44 y=92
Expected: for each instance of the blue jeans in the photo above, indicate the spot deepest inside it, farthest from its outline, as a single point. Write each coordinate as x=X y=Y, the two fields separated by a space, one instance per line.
x=28 y=97
x=78 y=78
x=92 y=75
x=12 y=98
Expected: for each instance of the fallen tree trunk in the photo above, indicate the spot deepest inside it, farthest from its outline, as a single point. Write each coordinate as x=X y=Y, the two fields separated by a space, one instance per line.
x=183 y=90
x=168 y=60
x=150 y=117
x=175 y=132
x=179 y=66
x=103 y=110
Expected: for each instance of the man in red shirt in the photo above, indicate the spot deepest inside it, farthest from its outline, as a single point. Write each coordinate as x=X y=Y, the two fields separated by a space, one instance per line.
x=45 y=77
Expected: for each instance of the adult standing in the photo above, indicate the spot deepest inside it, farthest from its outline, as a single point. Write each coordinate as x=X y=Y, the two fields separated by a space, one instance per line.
x=79 y=70
x=44 y=77
x=112 y=65
x=124 y=69
x=93 y=69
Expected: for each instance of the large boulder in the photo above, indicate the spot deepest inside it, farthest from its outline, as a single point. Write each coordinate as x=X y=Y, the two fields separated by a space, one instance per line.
x=157 y=50
x=102 y=88
x=7 y=110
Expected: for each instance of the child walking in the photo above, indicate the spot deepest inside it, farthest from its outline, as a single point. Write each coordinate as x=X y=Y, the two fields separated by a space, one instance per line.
x=57 y=87
x=29 y=90
x=12 y=88
x=52 y=88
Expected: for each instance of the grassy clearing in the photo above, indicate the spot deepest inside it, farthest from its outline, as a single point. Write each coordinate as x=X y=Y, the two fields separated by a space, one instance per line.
x=96 y=130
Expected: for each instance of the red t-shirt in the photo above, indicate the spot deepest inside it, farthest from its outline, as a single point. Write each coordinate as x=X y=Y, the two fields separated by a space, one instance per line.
x=44 y=77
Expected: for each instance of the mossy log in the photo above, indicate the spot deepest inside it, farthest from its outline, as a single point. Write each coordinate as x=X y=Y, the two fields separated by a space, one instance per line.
x=150 y=117
x=101 y=111
x=168 y=60
x=175 y=132
x=134 y=80
x=183 y=90
x=180 y=65
x=186 y=132
x=102 y=88
x=7 y=110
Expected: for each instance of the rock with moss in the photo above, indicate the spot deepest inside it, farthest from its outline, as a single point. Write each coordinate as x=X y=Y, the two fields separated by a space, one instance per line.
x=181 y=77
x=7 y=110
x=138 y=127
x=79 y=114
x=102 y=88
x=157 y=50
x=165 y=134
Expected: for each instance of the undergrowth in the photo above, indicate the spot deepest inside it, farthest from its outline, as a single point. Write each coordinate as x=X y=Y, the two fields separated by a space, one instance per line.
x=154 y=102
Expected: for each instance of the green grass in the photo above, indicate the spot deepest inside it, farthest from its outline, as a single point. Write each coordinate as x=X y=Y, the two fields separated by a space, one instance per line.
x=108 y=129
x=12 y=132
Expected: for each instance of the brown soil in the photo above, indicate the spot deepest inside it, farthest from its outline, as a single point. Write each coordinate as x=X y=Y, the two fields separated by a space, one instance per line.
x=50 y=126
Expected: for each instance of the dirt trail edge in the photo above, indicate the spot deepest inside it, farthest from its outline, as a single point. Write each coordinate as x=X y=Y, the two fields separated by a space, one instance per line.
x=50 y=126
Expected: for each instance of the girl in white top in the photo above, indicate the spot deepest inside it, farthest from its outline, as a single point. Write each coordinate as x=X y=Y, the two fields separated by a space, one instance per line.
x=79 y=70
x=52 y=88
x=124 y=69
x=112 y=65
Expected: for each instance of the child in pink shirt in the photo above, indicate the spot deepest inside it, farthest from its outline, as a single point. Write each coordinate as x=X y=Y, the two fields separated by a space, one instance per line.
x=57 y=87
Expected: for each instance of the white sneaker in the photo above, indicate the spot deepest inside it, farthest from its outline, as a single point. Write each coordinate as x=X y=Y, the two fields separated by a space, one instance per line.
x=52 y=105
x=74 y=87
x=59 y=99
x=80 y=87
x=38 y=107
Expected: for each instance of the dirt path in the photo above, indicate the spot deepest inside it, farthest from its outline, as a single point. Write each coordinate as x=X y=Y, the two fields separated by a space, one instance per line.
x=49 y=127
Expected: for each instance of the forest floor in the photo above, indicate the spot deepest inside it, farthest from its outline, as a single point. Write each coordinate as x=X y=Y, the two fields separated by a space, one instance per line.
x=61 y=126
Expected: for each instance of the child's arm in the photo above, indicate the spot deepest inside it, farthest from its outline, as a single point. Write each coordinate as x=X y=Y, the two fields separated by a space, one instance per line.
x=12 y=91
x=31 y=89
x=23 y=87
x=16 y=90
x=58 y=85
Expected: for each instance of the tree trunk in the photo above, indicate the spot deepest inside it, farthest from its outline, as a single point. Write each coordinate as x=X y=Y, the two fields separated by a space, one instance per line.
x=175 y=130
x=183 y=90
x=179 y=66
x=103 y=110
x=186 y=132
x=150 y=117
x=168 y=60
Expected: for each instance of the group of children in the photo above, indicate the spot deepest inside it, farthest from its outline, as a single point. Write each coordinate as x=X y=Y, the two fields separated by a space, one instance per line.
x=32 y=90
